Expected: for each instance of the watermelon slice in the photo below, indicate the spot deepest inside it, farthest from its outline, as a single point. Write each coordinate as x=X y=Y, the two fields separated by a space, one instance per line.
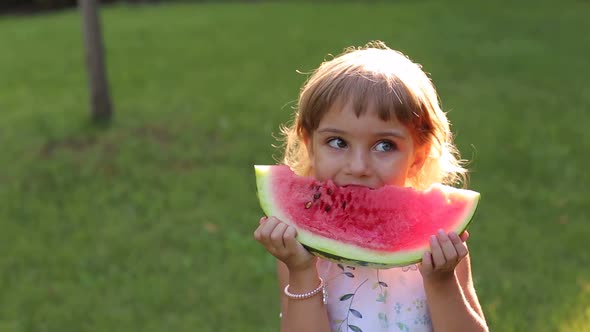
x=381 y=228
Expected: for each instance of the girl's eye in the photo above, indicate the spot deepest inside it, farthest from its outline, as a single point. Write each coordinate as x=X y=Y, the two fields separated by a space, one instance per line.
x=385 y=146
x=337 y=143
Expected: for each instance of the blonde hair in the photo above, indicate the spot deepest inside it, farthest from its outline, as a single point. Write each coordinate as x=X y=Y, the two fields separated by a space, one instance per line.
x=386 y=79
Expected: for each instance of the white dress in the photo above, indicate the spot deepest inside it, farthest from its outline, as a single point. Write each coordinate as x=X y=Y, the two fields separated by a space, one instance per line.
x=371 y=300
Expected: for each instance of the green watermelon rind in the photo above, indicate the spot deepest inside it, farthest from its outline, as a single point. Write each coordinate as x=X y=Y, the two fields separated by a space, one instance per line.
x=336 y=251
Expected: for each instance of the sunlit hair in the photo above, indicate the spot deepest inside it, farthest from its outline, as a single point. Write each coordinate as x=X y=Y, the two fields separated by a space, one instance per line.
x=379 y=77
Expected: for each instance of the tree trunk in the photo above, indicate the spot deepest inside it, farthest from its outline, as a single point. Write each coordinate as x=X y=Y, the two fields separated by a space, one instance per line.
x=100 y=102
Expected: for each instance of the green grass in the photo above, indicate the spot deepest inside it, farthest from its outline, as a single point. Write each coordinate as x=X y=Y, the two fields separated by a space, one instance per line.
x=147 y=225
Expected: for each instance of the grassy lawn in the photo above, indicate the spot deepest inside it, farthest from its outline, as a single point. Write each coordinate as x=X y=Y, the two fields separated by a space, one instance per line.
x=147 y=226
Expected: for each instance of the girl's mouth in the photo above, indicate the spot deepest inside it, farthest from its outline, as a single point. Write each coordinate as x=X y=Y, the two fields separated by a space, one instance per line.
x=352 y=185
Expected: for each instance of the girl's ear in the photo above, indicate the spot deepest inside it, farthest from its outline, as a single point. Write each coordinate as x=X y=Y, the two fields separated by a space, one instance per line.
x=420 y=155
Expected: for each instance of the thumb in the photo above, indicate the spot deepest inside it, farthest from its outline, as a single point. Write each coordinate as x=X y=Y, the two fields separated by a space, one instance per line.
x=464 y=236
x=290 y=239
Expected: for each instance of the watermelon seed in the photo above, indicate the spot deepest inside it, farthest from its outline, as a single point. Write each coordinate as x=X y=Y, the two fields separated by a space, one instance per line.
x=316 y=196
x=307 y=205
x=327 y=208
x=343 y=205
x=330 y=191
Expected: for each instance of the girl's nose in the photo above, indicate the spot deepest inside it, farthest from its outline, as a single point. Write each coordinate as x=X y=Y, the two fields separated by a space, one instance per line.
x=359 y=163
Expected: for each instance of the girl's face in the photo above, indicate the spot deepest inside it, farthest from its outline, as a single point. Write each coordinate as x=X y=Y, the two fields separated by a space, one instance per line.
x=362 y=151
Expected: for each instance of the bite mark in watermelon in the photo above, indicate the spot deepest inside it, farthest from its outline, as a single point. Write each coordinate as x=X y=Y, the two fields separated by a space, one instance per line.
x=384 y=227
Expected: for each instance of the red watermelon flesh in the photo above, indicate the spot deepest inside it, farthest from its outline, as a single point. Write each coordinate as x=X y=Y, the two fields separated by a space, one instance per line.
x=383 y=227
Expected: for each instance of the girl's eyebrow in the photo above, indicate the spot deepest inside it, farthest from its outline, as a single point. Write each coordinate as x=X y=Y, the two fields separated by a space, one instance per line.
x=392 y=133
x=331 y=130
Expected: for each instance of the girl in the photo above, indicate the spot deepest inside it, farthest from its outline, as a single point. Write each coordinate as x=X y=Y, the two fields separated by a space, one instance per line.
x=370 y=117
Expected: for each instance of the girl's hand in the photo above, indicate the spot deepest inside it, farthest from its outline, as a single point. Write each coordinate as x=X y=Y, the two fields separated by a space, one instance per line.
x=446 y=251
x=279 y=240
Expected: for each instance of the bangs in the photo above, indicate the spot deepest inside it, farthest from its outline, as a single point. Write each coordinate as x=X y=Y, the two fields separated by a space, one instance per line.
x=388 y=97
x=366 y=90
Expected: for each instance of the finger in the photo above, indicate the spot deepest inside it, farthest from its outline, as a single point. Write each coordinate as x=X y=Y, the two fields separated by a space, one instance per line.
x=290 y=239
x=258 y=231
x=438 y=258
x=447 y=246
x=464 y=236
x=263 y=232
x=257 y=234
x=460 y=247
x=292 y=245
x=276 y=237
x=455 y=238
x=426 y=266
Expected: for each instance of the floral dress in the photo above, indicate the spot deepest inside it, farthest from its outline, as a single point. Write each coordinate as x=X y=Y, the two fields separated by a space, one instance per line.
x=371 y=300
